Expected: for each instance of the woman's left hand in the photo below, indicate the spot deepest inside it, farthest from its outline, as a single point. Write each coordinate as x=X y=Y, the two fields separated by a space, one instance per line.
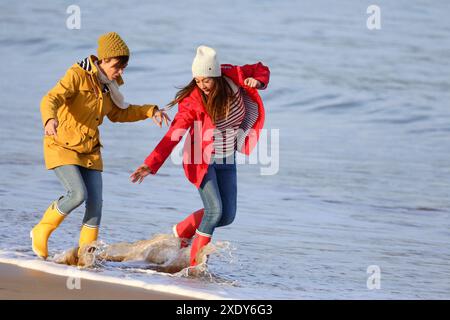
x=161 y=116
x=140 y=174
x=252 y=83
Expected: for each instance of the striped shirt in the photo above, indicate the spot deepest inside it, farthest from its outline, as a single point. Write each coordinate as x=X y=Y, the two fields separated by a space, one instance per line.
x=225 y=134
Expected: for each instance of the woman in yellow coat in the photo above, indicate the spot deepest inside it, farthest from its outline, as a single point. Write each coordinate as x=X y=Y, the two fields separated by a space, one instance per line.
x=71 y=113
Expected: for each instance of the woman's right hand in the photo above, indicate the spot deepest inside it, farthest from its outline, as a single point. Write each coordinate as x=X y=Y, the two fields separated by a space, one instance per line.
x=50 y=127
x=140 y=174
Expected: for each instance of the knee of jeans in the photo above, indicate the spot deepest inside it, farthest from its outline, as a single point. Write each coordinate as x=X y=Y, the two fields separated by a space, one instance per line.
x=228 y=217
x=93 y=207
x=78 y=196
x=213 y=214
x=227 y=221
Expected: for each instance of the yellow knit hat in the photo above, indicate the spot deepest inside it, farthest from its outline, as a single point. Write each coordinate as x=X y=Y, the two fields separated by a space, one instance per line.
x=111 y=45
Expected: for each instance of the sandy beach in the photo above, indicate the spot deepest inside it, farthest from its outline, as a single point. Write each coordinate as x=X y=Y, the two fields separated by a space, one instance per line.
x=18 y=283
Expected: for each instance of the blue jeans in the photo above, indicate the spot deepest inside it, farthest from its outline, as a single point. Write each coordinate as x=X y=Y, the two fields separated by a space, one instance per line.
x=219 y=195
x=82 y=185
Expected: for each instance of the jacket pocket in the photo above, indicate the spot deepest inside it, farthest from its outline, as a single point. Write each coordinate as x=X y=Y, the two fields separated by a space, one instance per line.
x=87 y=96
x=72 y=139
x=87 y=87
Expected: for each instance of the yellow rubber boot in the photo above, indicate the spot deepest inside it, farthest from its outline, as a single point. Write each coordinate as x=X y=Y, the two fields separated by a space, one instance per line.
x=87 y=235
x=41 y=232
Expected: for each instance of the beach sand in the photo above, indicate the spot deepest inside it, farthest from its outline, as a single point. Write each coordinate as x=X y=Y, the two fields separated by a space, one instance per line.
x=22 y=283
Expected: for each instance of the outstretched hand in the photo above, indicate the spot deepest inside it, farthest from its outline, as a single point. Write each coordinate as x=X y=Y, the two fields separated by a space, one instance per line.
x=159 y=117
x=140 y=174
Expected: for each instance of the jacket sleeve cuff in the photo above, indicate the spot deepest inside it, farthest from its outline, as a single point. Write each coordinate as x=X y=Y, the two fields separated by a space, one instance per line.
x=151 y=110
x=47 y=116
x=264 y=85
x=150 y=164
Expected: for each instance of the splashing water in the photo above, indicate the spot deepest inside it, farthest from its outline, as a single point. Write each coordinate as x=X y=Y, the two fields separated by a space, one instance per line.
x=162 y=253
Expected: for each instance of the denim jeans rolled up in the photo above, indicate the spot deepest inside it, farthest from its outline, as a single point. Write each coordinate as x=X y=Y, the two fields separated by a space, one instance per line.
x=82 y=185
x=219 y=194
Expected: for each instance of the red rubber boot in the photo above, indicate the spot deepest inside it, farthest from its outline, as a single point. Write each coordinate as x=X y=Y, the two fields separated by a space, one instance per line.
x=200 y=240
x=186 y=228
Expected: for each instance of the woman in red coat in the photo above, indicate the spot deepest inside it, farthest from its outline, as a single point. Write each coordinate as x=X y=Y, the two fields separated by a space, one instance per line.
x=223 y=113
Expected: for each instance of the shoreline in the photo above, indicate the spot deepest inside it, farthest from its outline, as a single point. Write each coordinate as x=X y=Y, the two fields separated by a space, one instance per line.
x=21 y=283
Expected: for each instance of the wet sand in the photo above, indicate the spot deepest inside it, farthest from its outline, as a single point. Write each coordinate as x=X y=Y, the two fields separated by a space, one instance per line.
x=26 y=284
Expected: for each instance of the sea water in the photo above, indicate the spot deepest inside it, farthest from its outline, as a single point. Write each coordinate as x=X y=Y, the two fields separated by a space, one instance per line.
x=360 y=195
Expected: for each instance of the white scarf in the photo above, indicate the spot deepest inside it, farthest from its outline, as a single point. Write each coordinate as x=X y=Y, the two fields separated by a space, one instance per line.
x=113 y=87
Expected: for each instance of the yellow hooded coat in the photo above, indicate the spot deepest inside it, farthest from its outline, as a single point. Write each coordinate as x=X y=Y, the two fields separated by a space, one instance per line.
x=79 y=103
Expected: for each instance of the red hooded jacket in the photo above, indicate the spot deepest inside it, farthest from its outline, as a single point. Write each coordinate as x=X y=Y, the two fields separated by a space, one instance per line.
x=192 y=117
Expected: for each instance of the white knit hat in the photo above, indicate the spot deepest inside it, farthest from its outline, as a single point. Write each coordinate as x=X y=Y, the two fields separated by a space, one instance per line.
x=205 y=63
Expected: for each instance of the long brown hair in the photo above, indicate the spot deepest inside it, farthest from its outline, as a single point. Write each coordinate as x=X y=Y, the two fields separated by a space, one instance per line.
x=217 y=103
